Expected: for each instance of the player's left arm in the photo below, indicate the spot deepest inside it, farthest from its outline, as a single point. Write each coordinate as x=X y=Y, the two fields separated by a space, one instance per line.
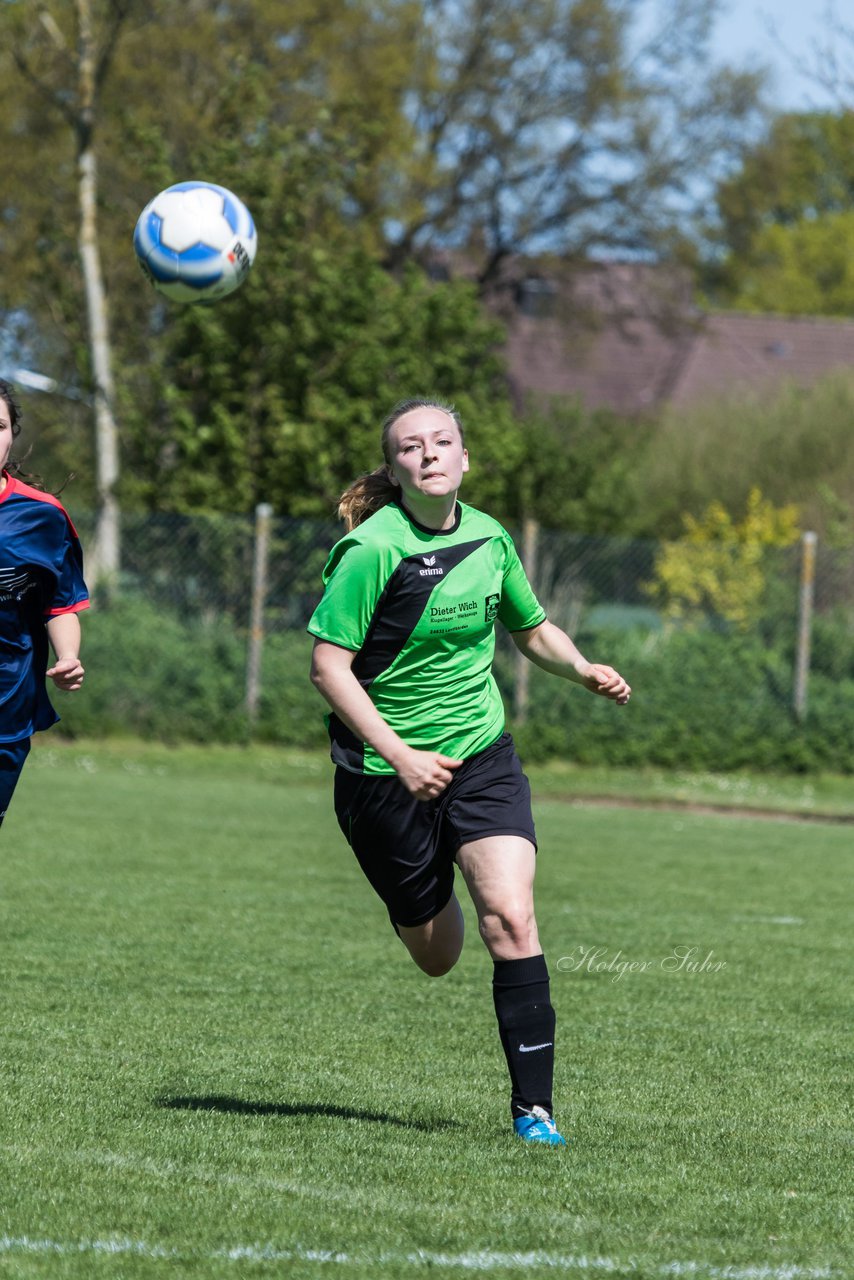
x=64 y=633
x=550 y=648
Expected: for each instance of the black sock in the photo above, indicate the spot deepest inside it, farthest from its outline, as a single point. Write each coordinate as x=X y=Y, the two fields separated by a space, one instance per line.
x=526 y=1024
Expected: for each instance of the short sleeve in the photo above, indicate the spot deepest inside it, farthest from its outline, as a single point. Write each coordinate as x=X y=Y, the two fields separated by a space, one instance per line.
x=70 y=594
x=520 y=610
x=355 y=578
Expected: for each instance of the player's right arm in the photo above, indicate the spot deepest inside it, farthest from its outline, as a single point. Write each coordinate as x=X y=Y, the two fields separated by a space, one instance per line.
x=64 y=633
x=424 y=773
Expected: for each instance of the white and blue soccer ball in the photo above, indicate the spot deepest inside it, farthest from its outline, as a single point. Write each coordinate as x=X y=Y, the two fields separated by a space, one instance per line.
x=195 y=242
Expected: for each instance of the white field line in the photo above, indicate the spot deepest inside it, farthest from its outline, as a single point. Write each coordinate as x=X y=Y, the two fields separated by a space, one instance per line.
x=476 y=1260
x=472 y=1260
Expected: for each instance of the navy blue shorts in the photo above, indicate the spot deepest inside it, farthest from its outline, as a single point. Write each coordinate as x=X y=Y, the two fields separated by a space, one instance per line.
x=12 y=757
x=406 y=847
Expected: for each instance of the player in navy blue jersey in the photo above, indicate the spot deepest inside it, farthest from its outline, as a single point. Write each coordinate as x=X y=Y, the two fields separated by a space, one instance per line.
x=41 y=593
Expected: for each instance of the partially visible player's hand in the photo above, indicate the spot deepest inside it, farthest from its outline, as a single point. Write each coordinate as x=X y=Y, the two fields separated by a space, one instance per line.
x=426 y=773
x=67 y=673
x=607 y=682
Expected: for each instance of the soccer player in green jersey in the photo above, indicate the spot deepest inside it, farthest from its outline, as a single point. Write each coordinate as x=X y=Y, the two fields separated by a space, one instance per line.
x=426 y=776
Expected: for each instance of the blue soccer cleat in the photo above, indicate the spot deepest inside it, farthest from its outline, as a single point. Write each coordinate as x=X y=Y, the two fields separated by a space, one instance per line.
x=538 y=1126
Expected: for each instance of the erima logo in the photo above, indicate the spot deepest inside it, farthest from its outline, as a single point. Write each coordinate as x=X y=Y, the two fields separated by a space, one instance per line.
x=430 y=573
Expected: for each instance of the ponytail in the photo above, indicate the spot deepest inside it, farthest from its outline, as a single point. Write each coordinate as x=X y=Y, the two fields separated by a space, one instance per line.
x=365 y=496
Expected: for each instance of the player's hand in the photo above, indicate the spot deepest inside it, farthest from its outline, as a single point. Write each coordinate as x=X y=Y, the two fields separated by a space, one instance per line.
x=607 y=682
x=426 y=773
x=67 y=674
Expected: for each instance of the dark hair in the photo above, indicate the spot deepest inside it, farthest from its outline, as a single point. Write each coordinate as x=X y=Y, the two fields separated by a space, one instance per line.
x=8 y=395
x=370 y=492
x=13 y=465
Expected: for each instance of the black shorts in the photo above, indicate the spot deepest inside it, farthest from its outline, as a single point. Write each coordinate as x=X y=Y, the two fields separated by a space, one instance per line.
x=406 y=847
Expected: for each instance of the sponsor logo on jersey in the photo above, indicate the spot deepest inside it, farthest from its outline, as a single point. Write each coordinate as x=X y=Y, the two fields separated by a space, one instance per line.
x=463 y=607
x=430 y=572
x=14 y=583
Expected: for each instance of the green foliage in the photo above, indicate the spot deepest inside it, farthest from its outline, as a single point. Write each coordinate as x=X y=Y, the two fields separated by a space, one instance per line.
x=717 y=570
x=151 y=673
x=832 y=644
x=786 y=221
x=189 y=89
x=803 y=168
x=359 y=134
x=806 y=268
x=795 y=445
x=277 y=394
x=574 y=468
x=169 y=677
x=701 y=700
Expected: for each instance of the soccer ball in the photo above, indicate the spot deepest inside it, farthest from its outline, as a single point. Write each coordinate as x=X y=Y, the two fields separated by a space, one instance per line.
x=195 y=242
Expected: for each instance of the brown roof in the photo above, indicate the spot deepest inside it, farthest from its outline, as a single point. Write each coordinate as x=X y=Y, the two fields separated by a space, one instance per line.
x=734 y=350
x=627 y=337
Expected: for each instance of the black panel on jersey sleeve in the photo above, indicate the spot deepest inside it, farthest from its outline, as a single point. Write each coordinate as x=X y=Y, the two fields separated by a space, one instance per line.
x=402 y=603
x=347 y=749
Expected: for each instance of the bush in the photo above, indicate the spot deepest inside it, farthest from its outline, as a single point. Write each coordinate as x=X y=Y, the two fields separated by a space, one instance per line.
x=156 y=675
x=701 y=700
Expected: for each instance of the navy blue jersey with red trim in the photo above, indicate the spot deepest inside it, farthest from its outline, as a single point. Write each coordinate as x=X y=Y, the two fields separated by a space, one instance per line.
x=41 y=576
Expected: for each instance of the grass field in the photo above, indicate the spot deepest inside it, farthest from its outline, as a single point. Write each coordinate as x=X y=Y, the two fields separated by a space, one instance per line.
x=217 y=1061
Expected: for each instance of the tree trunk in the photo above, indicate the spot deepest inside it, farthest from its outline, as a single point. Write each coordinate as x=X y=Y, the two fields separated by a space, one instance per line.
x=104 y=557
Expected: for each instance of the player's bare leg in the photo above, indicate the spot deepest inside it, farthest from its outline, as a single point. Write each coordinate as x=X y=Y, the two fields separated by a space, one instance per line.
x=499 y=872
x=435 y=946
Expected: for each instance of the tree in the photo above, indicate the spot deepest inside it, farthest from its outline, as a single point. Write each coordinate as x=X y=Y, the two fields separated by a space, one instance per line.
x=466 y=122
x=71 y=82
x=275 y=394
x=803 y=269
x=575 y=468
x=829 y=61
x=186 y=74
x=558 y=125
x=786 y=221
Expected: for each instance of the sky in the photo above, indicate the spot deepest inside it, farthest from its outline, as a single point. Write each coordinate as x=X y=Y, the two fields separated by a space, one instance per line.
x=742 y=35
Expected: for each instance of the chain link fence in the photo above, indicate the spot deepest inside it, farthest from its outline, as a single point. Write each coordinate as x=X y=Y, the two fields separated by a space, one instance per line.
x=261 y=577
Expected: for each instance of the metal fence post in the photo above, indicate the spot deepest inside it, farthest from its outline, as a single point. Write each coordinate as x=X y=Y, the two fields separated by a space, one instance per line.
x=805 y=611
x=260 y=560
x=530 y=544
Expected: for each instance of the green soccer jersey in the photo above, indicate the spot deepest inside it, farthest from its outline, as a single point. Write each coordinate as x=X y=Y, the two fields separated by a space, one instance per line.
x=418 y=608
